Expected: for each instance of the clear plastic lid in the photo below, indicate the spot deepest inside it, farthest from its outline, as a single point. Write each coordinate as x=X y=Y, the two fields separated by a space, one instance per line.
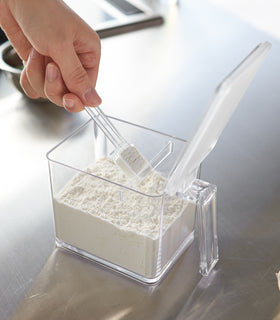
x=222 y=105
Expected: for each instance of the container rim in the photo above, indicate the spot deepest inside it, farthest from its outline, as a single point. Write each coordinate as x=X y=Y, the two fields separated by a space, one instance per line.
x=48 y=155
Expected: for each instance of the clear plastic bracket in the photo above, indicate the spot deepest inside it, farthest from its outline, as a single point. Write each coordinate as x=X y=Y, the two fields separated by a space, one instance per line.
x=204 y=195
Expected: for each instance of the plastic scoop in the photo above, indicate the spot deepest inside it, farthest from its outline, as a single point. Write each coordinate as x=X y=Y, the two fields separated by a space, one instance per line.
x=224 y=101
x=126 y=156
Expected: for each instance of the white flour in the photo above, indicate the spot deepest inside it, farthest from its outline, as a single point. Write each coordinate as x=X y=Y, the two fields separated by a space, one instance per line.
x=120 y=225
x=131 y=161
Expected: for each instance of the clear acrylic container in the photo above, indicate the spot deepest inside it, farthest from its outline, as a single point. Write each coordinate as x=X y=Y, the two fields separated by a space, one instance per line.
x=148 y=251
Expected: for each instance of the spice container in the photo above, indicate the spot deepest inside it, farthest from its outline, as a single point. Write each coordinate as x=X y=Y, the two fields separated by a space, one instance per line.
x=136 y=229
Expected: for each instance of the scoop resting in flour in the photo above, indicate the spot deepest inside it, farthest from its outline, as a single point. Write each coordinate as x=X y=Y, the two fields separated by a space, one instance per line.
x=126 y=156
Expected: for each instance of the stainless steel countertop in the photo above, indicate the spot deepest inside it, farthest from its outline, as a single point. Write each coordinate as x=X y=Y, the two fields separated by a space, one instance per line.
x=161 y=78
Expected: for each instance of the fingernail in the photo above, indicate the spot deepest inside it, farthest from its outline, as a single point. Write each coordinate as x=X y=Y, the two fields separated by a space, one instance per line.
x=92 y=98
x=68 y=103
x=52 y=73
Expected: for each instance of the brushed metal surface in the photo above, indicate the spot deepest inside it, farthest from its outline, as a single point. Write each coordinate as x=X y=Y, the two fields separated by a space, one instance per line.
x=161 y=78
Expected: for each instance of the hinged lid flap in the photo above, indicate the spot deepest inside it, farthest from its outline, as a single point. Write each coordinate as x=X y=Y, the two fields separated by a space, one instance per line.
x=224 y=101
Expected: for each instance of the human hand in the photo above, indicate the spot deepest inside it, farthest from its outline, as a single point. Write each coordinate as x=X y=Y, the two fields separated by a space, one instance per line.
x=60 y=51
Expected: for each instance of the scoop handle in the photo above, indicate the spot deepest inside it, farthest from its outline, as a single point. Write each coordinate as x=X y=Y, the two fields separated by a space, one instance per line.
x=106 y=126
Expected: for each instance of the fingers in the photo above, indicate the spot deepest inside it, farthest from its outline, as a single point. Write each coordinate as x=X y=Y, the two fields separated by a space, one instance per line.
x=40 y=81
x=72 y=103
x=57 y=92
x=26 y=86
x=35 y=71
x=90 y=62
x=54 y=87
x=33 y=75
x=77 y=79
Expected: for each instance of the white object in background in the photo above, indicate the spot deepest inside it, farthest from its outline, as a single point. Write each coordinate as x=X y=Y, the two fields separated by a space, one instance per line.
x=224 y=102
x=278 y=279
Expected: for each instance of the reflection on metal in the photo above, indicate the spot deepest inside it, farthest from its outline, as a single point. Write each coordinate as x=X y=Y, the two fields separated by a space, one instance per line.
x=69 y=285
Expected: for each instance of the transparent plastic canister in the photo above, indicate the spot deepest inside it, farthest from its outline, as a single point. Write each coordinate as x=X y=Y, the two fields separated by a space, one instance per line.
x=144 y=257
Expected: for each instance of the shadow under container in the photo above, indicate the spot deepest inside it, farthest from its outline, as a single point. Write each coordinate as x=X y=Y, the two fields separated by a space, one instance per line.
x=138 y=234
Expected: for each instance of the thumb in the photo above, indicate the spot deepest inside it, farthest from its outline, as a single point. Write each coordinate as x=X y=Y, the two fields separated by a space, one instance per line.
x=77 y=79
